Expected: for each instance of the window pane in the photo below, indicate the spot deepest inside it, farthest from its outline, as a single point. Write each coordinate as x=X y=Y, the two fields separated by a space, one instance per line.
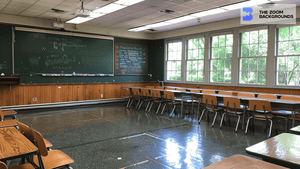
x=214 y=65
x=281 y=78
x=293 y=63
x=215 y=41
x=245 y=50
x=178 y=65
x=252 y=77
x=252 y=64
x=294 y=47
x=178 y=75
x=229 y=40
x=228 y=52
x=195 y=54
x=220 y=76
x=245 y=38
x=201 y=53
x=283 y=34
x=263 y=36
x=227 y=77
x=213 y=76
x=189 y=76
x=253 y=37
x=189 y=65
x=193 y=43
x=222 y=40
x=220 y=64
x=244 y=77
x=244 y=64
x=281 y=63
x=261 y=78
x=200 y=76
x=215 y=53
x=200 y=65
x=222 y=52
x=294 y=32
x=261 y=64
x=253 y=50
x=263 y=50
x=227 y=65
x=201 y=42
x=170 y=75
x=283 y=48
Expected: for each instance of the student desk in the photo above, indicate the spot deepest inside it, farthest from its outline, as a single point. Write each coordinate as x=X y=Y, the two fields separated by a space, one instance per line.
x=295 y=130
x=13 y=144
x=240 y=161
x=283 y=149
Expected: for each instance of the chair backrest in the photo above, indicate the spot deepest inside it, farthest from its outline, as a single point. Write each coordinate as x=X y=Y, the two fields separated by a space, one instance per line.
x=150 y=87
x=159 y=87
x=260 y=105
x=2 y=165
x=1 y=116
x=225 y=93
x=40 y=143
x=267 y=96
x=296 y=98
x=26 y=130
x=169 y=95
x=232 y=102
x=145 y=92
x=195 y=91
x=155 y=93
x=181 y=90
x=135 y=91
x=208 y=91
x=210 y=100
x=246 y=95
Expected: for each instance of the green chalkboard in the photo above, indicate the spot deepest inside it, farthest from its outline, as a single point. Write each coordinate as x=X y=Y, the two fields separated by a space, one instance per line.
x=131 y=59
x=51 y=53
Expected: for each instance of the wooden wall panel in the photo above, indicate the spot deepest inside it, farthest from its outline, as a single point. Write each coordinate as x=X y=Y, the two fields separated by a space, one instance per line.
x=46 y=94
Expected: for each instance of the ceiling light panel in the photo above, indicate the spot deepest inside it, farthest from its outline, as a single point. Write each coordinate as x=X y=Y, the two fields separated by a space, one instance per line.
x=109 y=8
x=79 y=20
x=181 y=19
x=128 y=2
x=208 y=12
x=245 y=4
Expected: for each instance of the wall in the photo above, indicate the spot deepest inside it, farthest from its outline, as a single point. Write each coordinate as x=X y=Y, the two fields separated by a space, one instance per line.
x=52 y=93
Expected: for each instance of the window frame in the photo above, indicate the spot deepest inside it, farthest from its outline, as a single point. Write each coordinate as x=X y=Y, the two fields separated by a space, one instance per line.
x=166 y=60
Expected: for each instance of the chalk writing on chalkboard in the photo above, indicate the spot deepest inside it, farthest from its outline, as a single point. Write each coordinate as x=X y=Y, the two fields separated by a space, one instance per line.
x=130 y=59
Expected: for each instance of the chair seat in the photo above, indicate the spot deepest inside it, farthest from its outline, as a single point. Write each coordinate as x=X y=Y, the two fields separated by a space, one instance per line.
x=8 y=123
x=233 y=112
x=282 y=113
x=47 y=143
x=23 y=166
x=216 y=109
x=263 y=116
x=174 y=103
x=54 y=159
x=158 y=101
x=9 y=112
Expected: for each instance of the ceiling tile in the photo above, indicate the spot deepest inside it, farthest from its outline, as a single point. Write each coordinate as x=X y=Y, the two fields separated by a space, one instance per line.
x=25 y=1
x=13 y=11
x=19 y=4
x=30 y=14
x=46 y=4
x=53 y=1
x=49 y=15
x=64 y=8
x=4 y=1
x=71 y=4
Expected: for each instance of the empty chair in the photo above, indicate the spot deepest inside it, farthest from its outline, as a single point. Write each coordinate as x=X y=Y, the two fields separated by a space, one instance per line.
x=145 y=96
x=159 y=87
x=296 y=98
x=233 y=108
x=156 y=98
x=225 y=93
x=211 y=105
x=195 y=91
x=209 y=91
x=267 y=96
x=261 y=111
x=9 y=113
x=246 y=95
x=150 y=87
x=7 y=123
x=22 y=166
x=169 y=98
x=50 y=159
x=26 y=131
x=136 y=95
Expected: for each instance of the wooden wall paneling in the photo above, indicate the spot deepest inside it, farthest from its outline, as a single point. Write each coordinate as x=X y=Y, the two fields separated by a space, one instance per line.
x=74 y=92
x=64 y=93
x=109 y=90
x=81 y=92
x=34 y=91
x=55 y=93
x=46 y=96
x=7 y=97
x=69 y=90
x=19 y=95
x=26 y=95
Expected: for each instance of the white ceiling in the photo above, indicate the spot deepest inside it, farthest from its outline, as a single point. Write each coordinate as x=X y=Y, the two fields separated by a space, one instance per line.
x=143 y=13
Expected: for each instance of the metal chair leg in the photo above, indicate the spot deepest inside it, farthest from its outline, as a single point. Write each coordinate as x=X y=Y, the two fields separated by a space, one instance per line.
x=270 y=128
x=150 y=107
x=129 y=100
x=158 y=108
x=214 y=119
x=247 y=125
x=147 y=106
x=237 y=123
x=141 y=104
x=163 y=109
x=173 y=110
x=201 y=116
x=137 y=105
x=222 y=120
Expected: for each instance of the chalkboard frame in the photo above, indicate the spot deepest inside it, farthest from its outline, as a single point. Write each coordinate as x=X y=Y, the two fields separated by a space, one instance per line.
x=132 y=44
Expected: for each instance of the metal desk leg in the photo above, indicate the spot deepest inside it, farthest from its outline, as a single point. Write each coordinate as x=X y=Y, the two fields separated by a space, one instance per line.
x=181 y=105
x=293 y=123
x=243 y=122
x=198 y=112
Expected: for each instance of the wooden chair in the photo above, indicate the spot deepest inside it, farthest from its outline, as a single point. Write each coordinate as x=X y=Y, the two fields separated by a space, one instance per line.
x=208 y=91
x=261 y=111
x=26 y=131
x=159 y=87
x=211 y=105
x=169 y=98
x=195 y=91
x=246 y=95
x=145 y=96
x=169 y=88
x=136 y=95
x=184 y=90
x=150 y=87
x=9 y=113
x=7 y=123
x=22 y=166
x=267 y=96
x=156 y=98
x=233 y=108
x=50 y=159
x=226 y=93
x=296 y=98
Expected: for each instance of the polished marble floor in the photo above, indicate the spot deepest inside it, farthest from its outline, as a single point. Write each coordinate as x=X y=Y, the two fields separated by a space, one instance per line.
x=111 y=136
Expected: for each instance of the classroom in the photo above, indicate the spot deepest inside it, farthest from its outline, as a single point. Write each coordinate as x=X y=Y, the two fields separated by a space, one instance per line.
x=155 y=84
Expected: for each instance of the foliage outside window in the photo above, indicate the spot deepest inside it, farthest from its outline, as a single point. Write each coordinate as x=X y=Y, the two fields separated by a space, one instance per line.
x=254 y=51
x=195 y=59
x=174 y=61
x=288 y=70
x=221 y=54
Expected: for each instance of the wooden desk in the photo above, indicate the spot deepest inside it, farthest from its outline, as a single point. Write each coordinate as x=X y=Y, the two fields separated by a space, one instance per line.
x=295 y=130
x=241 y=161
x=13 y=144
x=283 y=149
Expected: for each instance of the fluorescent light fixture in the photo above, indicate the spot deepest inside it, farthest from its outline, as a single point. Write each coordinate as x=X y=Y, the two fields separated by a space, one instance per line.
x=181 y=19
x=208 y=12
x=128 y=2
x=109 y=8
x=79 y=20
x=139 y=29
x=96 y=15
x=245 y=4
x=159 y=24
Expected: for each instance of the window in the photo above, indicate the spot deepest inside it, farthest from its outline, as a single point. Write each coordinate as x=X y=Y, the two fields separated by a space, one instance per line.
x=195 y=60
x=174 y=61
x=220 y=60
x=288 y=52
x=254 y=51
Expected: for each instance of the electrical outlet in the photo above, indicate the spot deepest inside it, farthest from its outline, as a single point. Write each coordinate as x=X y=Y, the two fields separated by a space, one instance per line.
x=101 y=95
x=34 y=99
